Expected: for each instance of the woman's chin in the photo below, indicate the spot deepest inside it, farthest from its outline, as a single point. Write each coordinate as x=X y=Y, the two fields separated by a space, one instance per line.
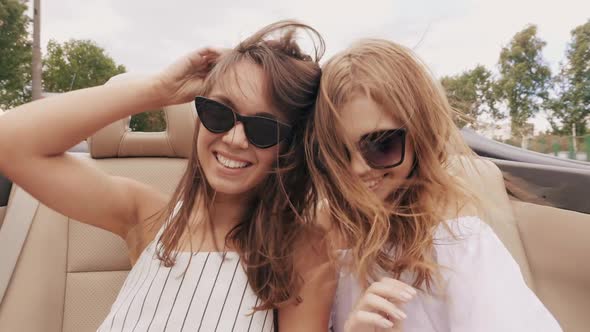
x=230 y=188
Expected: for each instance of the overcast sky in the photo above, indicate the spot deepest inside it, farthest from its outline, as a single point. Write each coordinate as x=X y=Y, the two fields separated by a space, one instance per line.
x=451 y=36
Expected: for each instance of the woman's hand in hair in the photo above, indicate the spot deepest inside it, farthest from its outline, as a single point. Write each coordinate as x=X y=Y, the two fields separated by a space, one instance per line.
x=379 y=308
x=181 y=81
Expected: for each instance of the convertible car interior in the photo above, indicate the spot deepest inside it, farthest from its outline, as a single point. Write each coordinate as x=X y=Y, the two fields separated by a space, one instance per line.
x=59 y=275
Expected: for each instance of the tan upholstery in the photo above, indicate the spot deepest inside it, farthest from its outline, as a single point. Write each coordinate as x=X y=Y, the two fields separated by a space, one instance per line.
x=3 y=209
x=484 y=179
x=18 y=220
x=557 y=244
x=37 y=286
x=69 y=273
x=117 y=140
x=2 y=213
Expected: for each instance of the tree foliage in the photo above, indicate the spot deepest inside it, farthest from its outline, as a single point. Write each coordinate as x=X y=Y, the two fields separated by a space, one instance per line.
x=472 y=94
x=15 y=54
x=524 y=78
x=571 y=104
x=77 y=64
x=148 y=121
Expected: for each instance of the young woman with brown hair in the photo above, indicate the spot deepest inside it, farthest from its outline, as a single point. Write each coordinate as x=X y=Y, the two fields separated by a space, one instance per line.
x=384 y=147
x=228 y=241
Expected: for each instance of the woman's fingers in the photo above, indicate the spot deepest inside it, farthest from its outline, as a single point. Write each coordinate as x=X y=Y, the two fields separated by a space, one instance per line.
x=207 y=56
x=375 y=303
x=180 y=81
x=198 y=62
x=362 y=317
x=213 y=51
x=392 y=289
x=379 y=305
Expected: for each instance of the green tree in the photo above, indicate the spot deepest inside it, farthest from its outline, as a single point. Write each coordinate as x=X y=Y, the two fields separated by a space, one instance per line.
x=571 y=104
x=525 y=78
x=77 y=64
x=472 y=94
x=148 y=121
x=15 y=54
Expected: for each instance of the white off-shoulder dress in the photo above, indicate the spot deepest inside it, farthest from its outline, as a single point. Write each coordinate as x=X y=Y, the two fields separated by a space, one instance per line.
x=482 y=288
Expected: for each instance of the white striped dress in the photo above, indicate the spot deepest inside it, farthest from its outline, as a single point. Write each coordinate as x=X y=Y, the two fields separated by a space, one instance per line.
x=213 y=295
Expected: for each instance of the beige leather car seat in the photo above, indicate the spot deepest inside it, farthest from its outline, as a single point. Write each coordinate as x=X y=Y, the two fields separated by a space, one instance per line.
x=69 y=273
x=485 y=180
x=551 y=245
x=557 y=246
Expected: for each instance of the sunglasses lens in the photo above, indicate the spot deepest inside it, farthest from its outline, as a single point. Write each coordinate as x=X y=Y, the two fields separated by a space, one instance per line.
x=215 y=116
x=383 y=149
x=262 y=132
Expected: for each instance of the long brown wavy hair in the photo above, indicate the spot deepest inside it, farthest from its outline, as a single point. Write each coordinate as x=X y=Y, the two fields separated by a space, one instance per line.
x=274 y=222
x=396 y=235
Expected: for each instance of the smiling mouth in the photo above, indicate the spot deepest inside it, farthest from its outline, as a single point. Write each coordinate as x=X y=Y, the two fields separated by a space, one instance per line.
x=230 y=163
x=374 y=183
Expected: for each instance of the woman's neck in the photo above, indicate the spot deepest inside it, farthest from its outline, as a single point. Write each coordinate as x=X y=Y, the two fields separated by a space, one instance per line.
x=215 y=220
x=228 y=210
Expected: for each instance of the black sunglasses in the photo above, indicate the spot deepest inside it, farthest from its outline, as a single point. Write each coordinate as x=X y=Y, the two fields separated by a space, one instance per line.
x=262 y=132
x=383 y=149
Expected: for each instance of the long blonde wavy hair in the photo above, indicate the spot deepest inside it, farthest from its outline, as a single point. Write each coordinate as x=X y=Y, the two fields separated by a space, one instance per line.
x=274 y=223
x=394 y=236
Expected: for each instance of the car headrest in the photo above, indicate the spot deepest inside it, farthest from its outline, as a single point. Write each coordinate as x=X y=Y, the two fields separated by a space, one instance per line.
x=117 y=139
x=484 y=179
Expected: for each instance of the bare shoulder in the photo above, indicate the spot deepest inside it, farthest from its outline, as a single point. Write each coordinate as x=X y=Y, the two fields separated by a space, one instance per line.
x=311 y=249
x=313 y=263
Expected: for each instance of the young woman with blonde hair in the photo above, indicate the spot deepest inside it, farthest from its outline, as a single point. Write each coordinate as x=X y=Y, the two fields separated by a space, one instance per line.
x=383 y=146
x=224 y=252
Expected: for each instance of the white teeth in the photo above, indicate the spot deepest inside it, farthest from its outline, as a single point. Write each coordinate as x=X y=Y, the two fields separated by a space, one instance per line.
x=229 y=163
x=372 y=184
